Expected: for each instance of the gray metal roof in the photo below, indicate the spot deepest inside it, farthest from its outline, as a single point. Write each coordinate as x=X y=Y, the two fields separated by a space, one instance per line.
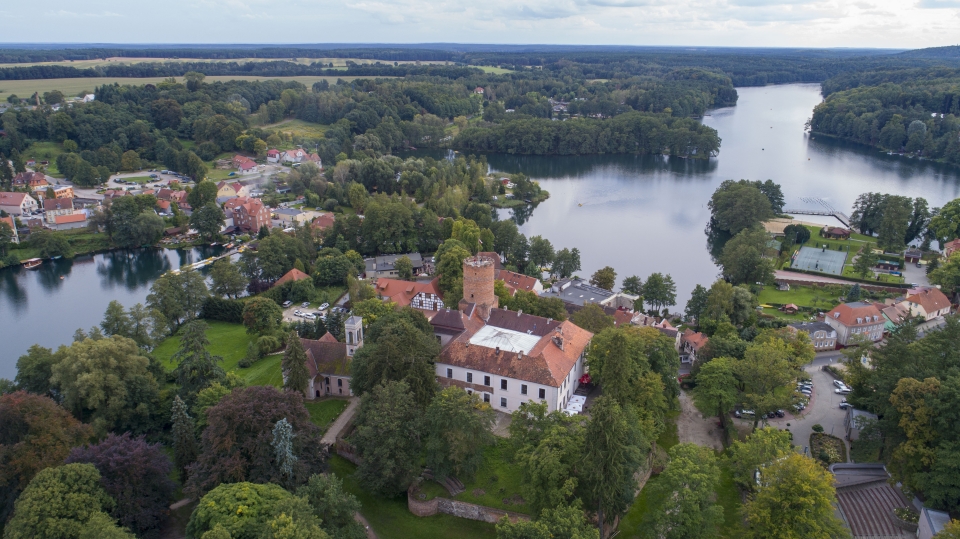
x=385 y=262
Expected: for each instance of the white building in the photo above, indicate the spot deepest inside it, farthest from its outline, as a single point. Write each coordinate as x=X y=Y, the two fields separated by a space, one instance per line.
x=18 y=204
x=512 y=358
x=328 y=361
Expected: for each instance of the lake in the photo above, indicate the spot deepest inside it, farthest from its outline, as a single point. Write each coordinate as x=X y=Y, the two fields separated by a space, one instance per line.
x=639 y=214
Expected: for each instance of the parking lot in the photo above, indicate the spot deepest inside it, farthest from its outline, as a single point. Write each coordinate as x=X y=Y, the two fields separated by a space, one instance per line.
x=823 y=407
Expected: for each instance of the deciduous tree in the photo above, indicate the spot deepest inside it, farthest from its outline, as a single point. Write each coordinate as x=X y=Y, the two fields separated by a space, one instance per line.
x=659 y=291
x=604 y=278
x=687 y=488
x=296 y=376
x=196 y=367
x=246 y=510
x=388 y=438
x=716 y=391
x=457 y=429
x=227 y=280
x=335 y=507
x=207 y=220
x=404 y=268
x=592 y=318
x=261 y=316
x=761 y=448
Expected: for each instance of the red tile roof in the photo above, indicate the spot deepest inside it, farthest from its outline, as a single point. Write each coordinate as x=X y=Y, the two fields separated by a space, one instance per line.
x=50 y=204
x=696 y=339
x=516 y=281
x=11 y=199
x=290 y=276
x=548 y=362
x=931 y=299
x=951 y=247
x=73 y=218
x=323 y=221
x=848 y=314
x=403 y=292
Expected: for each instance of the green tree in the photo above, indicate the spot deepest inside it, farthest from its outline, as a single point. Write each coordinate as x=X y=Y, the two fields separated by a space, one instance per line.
x=177 y=297
x=660 y=291
x=261 y=315
x=50 y=243
x=794 y=501
x=604 y=278
x=865 y=262
x=761 y=448
x=687 y=488
x=945 y=225
x=60 y=502
x=456 y=431
x=743 y=257
x=947 y=275
x=610 y=459
x=716 y=391
x=738 y=205
x=546 y=456
x=632 y=285
x=450 y=267
x=208 y=221
x=557 y=522
x=294 y=365
x=130 y=161
x=697 y=304
x=566 y=262
x=34 y=370
x=196 y=367
x=252 y=511
x=895 y=223
x=404 y=268
x=765 y=375
x=194 y=80
x=334 y=506
x=592 y=318
x=205 y=192
x=226 y=279
x=854 y=293
x=399 y=347
x=388 y=438
x=950 y=531
x=541 y=252
x=184 y=439
x=115 y=320
x=796 y=234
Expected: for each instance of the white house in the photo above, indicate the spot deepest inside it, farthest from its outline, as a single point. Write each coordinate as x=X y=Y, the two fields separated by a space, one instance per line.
x=18 y=204
x=273 y=155
x=853 y=319
x=88 y=98
x=928 y=304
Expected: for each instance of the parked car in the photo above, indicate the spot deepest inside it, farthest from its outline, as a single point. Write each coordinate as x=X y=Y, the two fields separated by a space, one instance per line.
x=305 y=304
x=310 y=316
x=808 y=392
x=744 y=413
x=780 y=413
x=844 y=391
x=324 y=306
x=844 y=405
x=287 y=303
x=839 y=383
x=771 y=415
x=297 y=313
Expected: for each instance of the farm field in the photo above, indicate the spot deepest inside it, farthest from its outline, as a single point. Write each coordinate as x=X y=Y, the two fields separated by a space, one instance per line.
x=72 y=87
x=116 y=60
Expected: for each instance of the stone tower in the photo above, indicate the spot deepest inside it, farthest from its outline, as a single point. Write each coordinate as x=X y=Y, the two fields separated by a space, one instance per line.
x=478 y=277
x=353 y=334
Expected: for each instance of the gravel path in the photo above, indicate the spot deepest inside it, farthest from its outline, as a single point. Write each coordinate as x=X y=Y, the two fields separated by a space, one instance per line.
x=694 y=428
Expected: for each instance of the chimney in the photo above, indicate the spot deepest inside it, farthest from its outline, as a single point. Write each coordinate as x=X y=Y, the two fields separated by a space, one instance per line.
x=519 y=312
x=520 y=354
x=497 y=352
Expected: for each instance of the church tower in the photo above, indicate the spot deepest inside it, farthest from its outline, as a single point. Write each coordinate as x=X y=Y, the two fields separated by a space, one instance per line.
x=353 y=334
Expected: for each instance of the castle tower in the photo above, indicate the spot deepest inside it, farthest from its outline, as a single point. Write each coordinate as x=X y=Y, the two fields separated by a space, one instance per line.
x=478 y=277
x=353 y=334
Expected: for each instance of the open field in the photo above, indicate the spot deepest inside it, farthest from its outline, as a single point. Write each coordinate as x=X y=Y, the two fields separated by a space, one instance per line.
x=112 y=61
x=494 y=70
x=390 y=518
x=297 y=127
x=72 y=87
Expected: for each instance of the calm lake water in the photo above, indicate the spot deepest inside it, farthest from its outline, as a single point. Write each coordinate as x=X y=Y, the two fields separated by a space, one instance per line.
x=638 y=214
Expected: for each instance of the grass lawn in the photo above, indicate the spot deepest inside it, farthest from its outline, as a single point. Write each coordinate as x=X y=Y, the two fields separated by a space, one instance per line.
x=265 y=372
x=81 y=241
x=226 y=340
x=669 y=437
x=322 y=413
x=494 y=70
x=139 y=179
x=498 y=482
x=802 y=296
x=728 y=497
x=391 y=519
x=884 y=277
x=44 y=151
x=298 y=127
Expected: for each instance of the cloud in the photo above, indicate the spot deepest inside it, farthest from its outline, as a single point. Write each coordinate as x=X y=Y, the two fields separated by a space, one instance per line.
x=939 y=4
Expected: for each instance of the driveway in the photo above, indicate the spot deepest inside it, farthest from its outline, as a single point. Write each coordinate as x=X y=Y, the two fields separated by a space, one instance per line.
x=823 y=408
x=916 y=275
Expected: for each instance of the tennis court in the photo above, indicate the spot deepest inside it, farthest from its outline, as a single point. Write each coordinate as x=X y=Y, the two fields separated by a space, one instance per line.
x=823 y=261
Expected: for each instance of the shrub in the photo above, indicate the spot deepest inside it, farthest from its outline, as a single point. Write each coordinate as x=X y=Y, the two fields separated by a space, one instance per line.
x=817 y=428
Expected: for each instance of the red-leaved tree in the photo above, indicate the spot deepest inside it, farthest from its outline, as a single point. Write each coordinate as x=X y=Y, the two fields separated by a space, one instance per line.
x=237 y=442
x=136 y=475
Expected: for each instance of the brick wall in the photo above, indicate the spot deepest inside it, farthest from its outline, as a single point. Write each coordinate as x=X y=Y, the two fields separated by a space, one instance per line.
x=471 y=511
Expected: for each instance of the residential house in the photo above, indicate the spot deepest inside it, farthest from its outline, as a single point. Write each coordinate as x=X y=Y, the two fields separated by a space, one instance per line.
x=579 y=292
x=13 y=226
x=59 y=191
x=478 y=90
x=67 y=222
x=856 y=319
x=288 y=216
x=928 y=304
x=691 y=342
x=419 y=295
x=912 y=255
x=248 y=214
x=517 y=281
x=299 y=155
x=163 y=207
x=322 y=222
x=229 y=189
x=835 y=233
x=30 y=179
x=894 y=315
x=931 y=523
x=822 y=336
x=244 y=165
x=56 y=207
x=328 y=360
x=383 y=266
x=951 y=247
x=512 y=358
x=273 y=155
x=88 y=98
x=866 y=499
x=18 y=203
x=291 y=276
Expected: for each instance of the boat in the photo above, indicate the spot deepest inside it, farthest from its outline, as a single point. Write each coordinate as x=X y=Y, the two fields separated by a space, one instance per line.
x=32 y=263
x=214 y=244
x=228 y=246
x=58 y=257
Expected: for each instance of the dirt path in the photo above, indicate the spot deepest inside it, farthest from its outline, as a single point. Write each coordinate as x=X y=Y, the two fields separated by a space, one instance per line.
x=693 y=428
x=330 y=437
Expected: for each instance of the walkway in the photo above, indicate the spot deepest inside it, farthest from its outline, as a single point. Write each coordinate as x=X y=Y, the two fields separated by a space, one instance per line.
x=330 y=437
x=692 y=427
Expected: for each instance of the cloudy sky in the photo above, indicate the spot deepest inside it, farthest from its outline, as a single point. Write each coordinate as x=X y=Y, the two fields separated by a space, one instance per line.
x=774 y=23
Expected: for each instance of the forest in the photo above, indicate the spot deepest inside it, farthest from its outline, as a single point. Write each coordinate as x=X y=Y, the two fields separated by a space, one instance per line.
x=901 y=110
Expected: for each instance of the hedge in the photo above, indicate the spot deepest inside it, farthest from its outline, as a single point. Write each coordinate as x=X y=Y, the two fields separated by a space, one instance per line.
x=224 y=310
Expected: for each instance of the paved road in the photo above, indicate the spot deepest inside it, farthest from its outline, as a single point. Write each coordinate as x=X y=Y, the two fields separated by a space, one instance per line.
x=823 y=408
x=330 y=437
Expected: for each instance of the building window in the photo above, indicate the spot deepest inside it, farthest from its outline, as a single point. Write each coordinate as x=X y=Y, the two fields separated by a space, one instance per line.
x=470 y=377
x=469 y=392
x=503 y=402
x=486 y=380
x=339 y=382
x=486 y=397
x=523 y=389
x=449 y=373
x=503 y=385
x=543 y=393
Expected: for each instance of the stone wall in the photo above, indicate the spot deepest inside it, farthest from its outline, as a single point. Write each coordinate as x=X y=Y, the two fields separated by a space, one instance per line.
x=471 y=511
x=347 y=451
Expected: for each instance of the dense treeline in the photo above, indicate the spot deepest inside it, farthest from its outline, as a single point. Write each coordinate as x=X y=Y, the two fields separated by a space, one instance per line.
x=277 y=68
x=60 y=55
x=914 y=111
x=634 y=132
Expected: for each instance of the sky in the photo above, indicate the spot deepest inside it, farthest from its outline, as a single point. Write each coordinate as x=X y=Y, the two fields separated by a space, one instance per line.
x=744 y=23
